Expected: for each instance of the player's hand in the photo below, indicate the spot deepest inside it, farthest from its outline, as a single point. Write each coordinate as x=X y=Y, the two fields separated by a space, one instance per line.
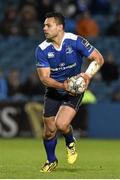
x=66 y=88
x=86 y=78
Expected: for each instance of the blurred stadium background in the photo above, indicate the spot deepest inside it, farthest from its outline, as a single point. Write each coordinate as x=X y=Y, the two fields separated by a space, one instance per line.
x=21 y=93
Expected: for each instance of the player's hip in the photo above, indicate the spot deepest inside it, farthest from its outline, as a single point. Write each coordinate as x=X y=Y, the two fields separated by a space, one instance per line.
x=53 y=100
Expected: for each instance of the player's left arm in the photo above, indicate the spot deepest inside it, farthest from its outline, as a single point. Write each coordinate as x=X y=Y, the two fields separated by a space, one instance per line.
x=96 y=61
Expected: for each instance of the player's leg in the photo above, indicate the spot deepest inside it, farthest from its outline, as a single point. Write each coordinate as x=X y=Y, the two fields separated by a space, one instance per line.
x=49 y=138
x=49 y=141
x=49 y=134
x=63 y=120
x=64 y=117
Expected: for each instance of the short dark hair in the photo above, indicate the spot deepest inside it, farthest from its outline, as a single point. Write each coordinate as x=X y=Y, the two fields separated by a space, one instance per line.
x=58 y=16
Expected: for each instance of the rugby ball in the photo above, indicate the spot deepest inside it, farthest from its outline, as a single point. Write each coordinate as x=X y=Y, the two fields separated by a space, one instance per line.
x=80 y=85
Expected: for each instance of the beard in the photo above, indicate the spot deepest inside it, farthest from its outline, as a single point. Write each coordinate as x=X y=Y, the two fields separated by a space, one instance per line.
x=50 y=38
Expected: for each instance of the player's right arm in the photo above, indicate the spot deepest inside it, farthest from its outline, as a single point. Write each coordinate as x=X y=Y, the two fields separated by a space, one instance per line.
x=44 y=75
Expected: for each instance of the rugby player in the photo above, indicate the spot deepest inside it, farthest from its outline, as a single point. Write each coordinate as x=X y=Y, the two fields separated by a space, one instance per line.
x=58 y=58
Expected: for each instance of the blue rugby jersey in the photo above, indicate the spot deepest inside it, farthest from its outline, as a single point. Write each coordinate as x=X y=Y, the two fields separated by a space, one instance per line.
x=65 y=61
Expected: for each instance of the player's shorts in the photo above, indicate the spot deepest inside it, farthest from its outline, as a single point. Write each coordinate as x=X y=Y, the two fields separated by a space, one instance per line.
x=53 y=100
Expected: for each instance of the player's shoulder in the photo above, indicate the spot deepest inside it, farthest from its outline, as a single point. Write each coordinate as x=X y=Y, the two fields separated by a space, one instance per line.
x=74 y=37
x=44 y=45
x=71 y=36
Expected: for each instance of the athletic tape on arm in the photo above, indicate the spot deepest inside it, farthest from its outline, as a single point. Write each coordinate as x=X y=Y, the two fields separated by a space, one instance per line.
x=93 y=68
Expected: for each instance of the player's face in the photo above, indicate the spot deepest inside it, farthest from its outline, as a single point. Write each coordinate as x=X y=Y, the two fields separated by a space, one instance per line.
x=51 y=28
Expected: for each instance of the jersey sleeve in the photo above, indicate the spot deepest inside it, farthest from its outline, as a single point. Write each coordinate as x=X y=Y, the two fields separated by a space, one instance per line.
x=84 y=47
x=41 y=60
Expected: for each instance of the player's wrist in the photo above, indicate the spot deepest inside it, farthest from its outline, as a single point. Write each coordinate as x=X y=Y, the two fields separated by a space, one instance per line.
x=65 y=85
x=86 y=77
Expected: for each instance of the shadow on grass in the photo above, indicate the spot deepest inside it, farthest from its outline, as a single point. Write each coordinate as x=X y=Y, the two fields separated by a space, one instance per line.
x=71 y=170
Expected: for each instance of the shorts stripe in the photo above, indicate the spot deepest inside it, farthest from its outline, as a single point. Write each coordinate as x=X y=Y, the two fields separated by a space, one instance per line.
x=79 y=102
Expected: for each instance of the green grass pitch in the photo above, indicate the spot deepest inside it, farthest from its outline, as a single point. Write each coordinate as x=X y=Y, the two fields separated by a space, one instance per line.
x=22 y=159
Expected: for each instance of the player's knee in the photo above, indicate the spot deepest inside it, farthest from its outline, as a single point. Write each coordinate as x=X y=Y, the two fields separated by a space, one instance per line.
x=61 y=126
x=48 y=134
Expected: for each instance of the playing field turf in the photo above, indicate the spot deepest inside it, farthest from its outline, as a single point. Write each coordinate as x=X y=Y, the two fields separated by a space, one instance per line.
x=22 y=158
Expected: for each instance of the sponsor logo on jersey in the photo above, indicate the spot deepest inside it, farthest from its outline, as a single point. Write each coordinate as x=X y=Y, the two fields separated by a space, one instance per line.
x=62 y=64
x=86 y=44
x=64 y=67
x=51 y=55
x=69 y=50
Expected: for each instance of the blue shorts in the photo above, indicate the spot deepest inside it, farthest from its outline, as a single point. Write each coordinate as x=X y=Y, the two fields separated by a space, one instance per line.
x=53 y=100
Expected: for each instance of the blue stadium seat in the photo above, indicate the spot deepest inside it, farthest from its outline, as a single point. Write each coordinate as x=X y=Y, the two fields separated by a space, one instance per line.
x=18 y=52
